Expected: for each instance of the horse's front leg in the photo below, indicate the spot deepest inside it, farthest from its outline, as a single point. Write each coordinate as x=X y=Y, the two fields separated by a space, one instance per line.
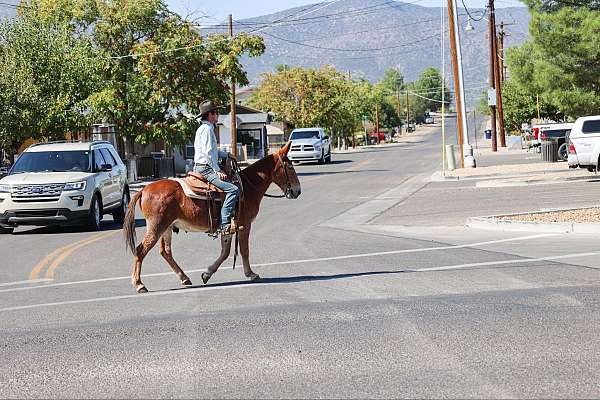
x=245 y=252
x=225 y=250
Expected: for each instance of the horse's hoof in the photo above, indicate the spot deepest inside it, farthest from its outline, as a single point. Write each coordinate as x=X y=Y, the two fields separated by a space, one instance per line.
x=205 y=277
x=254 y=278
x=141 y=289
x=186 y=282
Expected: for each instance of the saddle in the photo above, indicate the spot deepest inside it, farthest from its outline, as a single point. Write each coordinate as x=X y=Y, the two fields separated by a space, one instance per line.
x=199 y=185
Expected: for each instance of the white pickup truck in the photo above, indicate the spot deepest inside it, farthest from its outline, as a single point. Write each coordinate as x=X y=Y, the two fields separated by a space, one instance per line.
x=310 y=144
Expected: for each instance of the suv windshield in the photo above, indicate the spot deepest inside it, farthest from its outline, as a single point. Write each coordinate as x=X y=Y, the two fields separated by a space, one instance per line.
x=304 y=135
x=52 y=161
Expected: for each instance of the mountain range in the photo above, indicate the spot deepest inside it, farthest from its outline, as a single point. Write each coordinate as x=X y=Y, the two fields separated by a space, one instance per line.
x=366 y=37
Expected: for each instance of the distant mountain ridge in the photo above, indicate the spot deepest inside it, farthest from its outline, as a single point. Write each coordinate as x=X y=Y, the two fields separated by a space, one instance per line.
x=405 y=36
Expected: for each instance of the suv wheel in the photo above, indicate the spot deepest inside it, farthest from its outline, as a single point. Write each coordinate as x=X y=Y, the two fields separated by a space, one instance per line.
x=95 y=214
x=328 y=158
x=6 y=230
x=119 y=214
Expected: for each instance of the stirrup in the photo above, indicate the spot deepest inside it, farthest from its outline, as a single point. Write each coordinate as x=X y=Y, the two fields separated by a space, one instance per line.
x=229 y=230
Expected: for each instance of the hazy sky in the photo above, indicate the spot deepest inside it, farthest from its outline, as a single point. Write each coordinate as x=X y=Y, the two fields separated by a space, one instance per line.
x=217 y=11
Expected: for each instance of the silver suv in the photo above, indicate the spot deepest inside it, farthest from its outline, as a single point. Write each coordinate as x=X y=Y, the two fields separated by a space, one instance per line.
x=61 y=183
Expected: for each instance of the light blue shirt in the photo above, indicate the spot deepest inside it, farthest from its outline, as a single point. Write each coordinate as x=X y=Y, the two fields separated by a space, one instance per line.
x=205 y=146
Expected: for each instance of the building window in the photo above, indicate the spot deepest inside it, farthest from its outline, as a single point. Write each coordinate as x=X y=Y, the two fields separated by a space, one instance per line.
x=189 y=151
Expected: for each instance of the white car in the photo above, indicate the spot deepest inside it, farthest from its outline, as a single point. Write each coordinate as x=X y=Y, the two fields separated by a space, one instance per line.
x=62 y=183
x=584 y=148
x=310 y=144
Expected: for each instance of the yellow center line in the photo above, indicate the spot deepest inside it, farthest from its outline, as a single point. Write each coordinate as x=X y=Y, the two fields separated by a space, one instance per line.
x=56 y=263
x=39 y=267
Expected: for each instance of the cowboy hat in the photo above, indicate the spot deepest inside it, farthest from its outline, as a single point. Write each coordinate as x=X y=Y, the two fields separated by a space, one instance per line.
x=207 y=106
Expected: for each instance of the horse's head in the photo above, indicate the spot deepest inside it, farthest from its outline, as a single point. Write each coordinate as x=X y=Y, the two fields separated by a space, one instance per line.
x=284 y=174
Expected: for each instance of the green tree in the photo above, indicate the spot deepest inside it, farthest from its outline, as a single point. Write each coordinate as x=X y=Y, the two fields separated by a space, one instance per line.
x=315 y=97
x=153 y=64
x=561 y=61
x=46 y=77
x=430 y=85
x=554 y=5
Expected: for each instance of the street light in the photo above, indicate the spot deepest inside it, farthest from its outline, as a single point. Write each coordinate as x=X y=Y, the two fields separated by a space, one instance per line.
x=469 y=26
x=468 y=158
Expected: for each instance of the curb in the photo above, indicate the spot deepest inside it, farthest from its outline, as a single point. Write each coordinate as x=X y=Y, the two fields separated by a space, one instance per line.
x=493 y=223
x=532 y=178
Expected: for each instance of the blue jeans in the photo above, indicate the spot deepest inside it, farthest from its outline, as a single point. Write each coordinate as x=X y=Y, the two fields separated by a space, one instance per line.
x=232 y=192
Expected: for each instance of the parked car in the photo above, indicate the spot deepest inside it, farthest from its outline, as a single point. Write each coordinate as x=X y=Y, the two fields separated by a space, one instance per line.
x=310 y=144
x=584 y=148
x=557 y=133
x=377 y=137
x=62 y=183
x=429 y=120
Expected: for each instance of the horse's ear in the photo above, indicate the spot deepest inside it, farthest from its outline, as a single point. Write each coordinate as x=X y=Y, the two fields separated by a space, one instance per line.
x=285 y=149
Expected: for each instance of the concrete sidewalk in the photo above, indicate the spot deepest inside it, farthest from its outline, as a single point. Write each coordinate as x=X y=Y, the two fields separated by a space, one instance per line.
x=515 y=166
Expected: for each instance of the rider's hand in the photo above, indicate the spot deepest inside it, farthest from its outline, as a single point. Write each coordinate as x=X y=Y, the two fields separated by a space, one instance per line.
x=222 y=175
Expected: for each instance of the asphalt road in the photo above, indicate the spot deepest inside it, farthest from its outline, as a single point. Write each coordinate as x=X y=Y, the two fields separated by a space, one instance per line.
x=349 y=306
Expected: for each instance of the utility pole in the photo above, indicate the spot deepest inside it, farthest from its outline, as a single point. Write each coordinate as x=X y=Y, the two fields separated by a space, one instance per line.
x=492 y=37
x=398 y=106
x=466 y=150
x=377 y=119
x=498 y=82
x=501 y=36
x=232 y=112
x=407 y=111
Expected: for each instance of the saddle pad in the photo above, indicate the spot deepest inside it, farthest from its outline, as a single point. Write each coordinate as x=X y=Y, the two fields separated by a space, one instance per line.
x=188 y=192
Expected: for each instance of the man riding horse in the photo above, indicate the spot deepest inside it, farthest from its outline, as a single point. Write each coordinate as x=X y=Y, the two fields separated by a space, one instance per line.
x=206 y=163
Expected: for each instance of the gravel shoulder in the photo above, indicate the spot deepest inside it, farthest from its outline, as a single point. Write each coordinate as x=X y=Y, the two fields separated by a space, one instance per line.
x=574 y=216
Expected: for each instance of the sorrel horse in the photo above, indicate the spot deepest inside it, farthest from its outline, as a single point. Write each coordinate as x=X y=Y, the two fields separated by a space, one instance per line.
x=165 y=206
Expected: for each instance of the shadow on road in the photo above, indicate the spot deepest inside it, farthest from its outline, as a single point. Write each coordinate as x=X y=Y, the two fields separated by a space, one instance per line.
x=340 y=172
x=292 y=279
x=106 y=226
x=333 y=162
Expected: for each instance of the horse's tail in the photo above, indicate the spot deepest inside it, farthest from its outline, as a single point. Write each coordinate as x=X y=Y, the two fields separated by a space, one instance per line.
x=129 y=222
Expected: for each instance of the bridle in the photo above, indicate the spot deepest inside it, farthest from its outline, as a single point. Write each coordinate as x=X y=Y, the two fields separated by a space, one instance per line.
x=288 y=186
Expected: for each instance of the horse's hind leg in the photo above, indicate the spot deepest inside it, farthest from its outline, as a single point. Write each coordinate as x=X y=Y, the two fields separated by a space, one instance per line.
x=225 y=250
x=153 y=233
x=167 y=253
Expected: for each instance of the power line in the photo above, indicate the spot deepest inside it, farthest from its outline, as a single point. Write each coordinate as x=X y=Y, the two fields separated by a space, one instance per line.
x=190 y=46
x=11 y=5
x=469 y=14
x=351 y=50
x=341 y=15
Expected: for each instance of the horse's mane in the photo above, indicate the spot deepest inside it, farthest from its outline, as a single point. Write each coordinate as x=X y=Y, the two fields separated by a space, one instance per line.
x=263 y=166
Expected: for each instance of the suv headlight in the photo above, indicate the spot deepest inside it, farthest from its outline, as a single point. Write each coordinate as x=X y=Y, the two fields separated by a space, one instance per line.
x=317 y=147
x=4 y=188
x=74 y=186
